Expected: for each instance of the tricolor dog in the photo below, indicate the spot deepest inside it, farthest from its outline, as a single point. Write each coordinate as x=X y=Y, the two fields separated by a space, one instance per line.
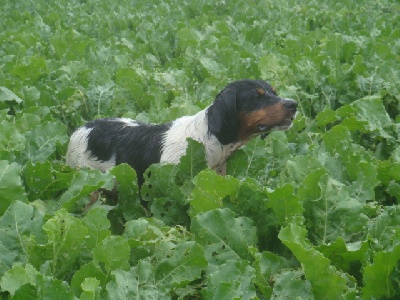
x=242 y=110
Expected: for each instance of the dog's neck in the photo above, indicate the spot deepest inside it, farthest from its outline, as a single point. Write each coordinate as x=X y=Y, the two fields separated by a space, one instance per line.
x=196 y=127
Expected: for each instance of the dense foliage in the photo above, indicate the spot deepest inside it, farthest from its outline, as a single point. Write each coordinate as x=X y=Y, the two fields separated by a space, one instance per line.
x=312 y=213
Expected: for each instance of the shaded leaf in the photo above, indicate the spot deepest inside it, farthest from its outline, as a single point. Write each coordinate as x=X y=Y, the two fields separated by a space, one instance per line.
x=232 y=280
x=42 y=140
x=376 y=276
x=20 y=220
x=45 y=181
x=179 y=264
x=66 y=236
x=128 y=191
x=11 y=187
x=137 y=283
x=290 y=284
x=89 y=270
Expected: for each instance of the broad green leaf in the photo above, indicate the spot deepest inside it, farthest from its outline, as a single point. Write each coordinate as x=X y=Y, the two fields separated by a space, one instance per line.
x=44 y=180
x=144 y=231
x=232 y=280
x=301 y=166
x=26 y=121
x=49 y=288
x=237 y=164
x=167 y=207
x=113 y=253
x=179 y=264
x=7 y=95
x=89 y=270
x=137 y=283
x=332 y=210
x=266 y=157
x=128 y=191
x=11 y=187
x=66 y=234
x=19 y=221
x=340 y=144
x=12 y=141
x=26 y=292
x=273 y=66
x=42 y=140
x=260 y=158
x=83 y=183
x=223 y=236
x=28 y=283
x=396 y=154
x=284 y=203
x=250 y=201
x=345 y=256
x=192 y=162
x=385 y=230
x=145 y=235
x=363 y=188
x=210 y=191
x=290 y=284
x=31 y=94
x=133 y=81
x=327 y=282
x=91 y=289
x=267 y=265
x=98 y=226
x=376 y=276
x=31 y=70
x=187 y=37
x=371 y=112
x=351 y=162
x=326 y=117
x=18 y=276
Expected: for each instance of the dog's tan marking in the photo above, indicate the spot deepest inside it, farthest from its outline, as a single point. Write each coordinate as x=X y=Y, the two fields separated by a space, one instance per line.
x=271 y=116
x=261 y=91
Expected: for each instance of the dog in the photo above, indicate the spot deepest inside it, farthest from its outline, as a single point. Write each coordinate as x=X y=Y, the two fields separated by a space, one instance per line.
x=241 y=111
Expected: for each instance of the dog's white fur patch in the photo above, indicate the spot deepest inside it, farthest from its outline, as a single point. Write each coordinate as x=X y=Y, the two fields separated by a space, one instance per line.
x=195 y=127
x=79 y=156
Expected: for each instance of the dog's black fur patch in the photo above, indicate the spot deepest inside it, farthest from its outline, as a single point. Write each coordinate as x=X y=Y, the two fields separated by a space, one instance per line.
x=138 y=146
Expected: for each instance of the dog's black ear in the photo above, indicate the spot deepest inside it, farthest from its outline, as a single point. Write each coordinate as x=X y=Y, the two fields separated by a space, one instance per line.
x=223 y=116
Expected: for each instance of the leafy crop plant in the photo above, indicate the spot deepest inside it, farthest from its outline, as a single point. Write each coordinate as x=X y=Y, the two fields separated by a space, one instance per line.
x=311 y=213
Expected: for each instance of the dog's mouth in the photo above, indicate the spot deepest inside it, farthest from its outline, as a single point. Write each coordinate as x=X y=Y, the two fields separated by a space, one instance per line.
x=266 y=129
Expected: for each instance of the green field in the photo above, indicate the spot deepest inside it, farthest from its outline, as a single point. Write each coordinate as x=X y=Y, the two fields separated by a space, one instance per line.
x=311 y=213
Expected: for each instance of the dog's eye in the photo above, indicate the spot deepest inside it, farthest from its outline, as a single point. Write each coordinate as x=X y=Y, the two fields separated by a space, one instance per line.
x=262 y=127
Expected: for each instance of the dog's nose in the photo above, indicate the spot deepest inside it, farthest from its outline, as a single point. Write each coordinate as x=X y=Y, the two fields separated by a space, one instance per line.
x=290 y=104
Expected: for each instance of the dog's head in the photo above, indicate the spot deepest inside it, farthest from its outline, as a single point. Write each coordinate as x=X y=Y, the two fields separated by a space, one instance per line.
x=248 y=108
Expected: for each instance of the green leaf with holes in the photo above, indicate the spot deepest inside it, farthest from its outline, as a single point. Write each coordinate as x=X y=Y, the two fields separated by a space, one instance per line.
x=224 y=236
